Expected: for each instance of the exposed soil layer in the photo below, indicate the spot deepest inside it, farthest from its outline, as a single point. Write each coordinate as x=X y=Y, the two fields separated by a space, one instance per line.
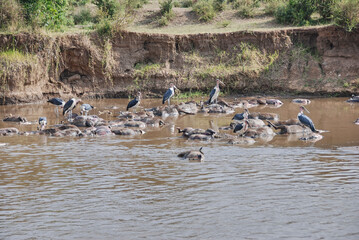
x=315 y=61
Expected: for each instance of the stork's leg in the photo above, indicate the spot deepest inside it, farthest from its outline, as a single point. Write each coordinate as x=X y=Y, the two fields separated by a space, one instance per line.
x=70 y=115
x=86 y=113
x=169 y=104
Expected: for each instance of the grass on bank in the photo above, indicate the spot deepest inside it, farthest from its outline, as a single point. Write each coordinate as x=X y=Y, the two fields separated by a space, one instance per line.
x=173 y=16
x=14 y=55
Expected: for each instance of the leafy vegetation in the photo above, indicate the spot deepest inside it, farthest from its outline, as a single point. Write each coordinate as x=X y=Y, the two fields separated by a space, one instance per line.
x=10 y=15
x=205 y=10
x=166 y=12
x=14 y=55
x=297 y=12
x=110 y=16
x=346 y=14
x=190 y=94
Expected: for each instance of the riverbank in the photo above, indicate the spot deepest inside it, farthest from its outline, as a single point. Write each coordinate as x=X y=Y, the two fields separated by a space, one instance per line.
x=311 y=61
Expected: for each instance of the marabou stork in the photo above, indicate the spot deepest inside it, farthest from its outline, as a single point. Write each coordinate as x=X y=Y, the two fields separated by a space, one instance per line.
x=169 y=93
x=134 y=102
x=69 y=106
x=215 y=92
x=42 y=123
x=58 y=102
x=85 y=108
x=305 y=120
x=241 y=127
x=241 y=116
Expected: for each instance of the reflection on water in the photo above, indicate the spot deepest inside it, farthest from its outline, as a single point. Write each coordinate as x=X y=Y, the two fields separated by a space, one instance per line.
x=135 y=187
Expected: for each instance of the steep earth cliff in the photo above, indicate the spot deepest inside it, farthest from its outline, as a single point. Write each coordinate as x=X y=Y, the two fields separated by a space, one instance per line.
x=315 y=61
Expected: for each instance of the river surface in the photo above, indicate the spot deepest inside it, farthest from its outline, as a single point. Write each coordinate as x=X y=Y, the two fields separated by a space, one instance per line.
x=136 y=187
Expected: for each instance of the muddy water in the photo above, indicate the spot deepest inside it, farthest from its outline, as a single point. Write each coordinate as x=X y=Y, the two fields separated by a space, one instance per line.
x=135 y=187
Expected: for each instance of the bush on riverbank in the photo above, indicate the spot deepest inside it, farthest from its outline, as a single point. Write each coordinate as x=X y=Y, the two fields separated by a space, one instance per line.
x=109 y=16
x=346 y=14
x=10 y=15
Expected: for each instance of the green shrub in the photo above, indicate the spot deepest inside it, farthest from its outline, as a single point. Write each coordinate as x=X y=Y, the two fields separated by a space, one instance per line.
x=297 y=12
x=78 y=2
x=187 y=3
x=52 y=14
x=246 y=11
x=219 y=5
x=104 y=28
x=10 y=14
x=166 y=12
x=325 y=8
x=271 y=6
x=166 y=6
x=110 y=7
x=346 y=14
x=84 y=16
x=204 y=10
x=246 y=8
x=237 y=4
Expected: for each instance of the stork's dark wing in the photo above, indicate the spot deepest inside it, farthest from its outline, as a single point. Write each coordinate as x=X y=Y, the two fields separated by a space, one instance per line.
x=131 y=104
x=211 y=95
x=67 y=106
x=238 y=127
x=238 y=116
x=167 y=95
x=307 y=122
x=56 y=101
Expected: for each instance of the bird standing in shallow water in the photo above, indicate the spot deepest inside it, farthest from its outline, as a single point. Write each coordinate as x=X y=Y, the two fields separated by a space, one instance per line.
x=69 y=106
x=85 y=108
x=305 y=120
x=135 y=102
x=215 y=92
x=169 y=94
x=58 y=102
x=42 y=123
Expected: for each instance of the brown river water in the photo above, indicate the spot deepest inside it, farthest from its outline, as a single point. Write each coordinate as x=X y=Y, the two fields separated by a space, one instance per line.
x=118 y=187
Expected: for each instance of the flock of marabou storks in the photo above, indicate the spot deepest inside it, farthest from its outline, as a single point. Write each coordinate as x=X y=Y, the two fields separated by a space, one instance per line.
x=243 y=122
x=247 y=126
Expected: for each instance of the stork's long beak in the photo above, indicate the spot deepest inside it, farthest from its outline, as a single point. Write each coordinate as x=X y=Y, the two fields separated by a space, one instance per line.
x=222 y=83
x=305 y=109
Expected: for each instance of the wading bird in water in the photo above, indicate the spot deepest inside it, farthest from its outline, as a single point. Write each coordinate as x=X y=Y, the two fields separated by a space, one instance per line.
x=215 y=92
x=58 y=102
x=134 y=103
x=69 y=106
x=169 y=94
x=305 y=120
x=85 y=108
x=42 y=123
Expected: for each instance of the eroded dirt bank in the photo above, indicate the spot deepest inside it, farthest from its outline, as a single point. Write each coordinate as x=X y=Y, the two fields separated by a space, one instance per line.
x=298 y=61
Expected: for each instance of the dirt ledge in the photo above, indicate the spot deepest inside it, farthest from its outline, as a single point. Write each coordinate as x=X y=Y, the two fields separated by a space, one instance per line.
x=315 y=61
